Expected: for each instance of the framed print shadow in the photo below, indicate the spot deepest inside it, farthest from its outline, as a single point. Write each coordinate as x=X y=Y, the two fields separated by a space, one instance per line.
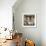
x=29 y=20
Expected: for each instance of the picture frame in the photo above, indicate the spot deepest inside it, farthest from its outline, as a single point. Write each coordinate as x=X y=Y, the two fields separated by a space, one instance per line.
x=29 y=20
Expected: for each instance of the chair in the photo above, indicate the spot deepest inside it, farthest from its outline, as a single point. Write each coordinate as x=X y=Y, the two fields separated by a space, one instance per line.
x=29 y=43
x=18 y=37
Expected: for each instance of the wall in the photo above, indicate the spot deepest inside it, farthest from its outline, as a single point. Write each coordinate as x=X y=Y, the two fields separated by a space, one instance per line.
x=28 y=6
x=6 y=13
x=43 y=22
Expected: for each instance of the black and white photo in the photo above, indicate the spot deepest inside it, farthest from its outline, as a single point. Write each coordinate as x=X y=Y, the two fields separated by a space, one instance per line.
x=29 y=20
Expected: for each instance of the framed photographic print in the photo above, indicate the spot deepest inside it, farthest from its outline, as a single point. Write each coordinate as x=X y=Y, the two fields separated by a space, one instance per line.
x=29 y=20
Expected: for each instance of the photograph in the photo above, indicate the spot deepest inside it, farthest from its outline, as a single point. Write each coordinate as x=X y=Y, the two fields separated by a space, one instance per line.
x=29 y=20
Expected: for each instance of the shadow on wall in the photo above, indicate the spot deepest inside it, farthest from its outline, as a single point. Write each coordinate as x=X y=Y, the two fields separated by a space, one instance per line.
x=28 y=6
